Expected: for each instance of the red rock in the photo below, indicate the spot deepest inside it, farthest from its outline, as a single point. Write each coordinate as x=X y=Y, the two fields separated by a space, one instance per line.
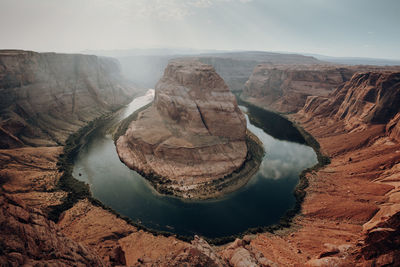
x=368 y=98
x=28 y=238
x=285 y=88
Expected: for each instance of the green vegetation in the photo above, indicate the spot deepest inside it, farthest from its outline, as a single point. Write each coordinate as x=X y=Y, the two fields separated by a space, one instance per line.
x=229 y=183
x=76 y=189
x=122 y=127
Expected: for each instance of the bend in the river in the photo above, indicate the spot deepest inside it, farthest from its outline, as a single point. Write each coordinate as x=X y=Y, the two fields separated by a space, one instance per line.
x=262 y=202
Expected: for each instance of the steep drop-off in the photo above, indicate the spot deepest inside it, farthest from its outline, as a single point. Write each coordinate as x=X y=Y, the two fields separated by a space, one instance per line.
x=193 y=134
x=285 y=88
x=47 y=96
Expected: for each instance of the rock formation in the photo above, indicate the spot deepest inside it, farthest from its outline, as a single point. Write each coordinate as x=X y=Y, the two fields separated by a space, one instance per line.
x=47 y=96
x=368 y=98
x=193 y=133
x=29 y=239
x=285 y=88
x=359 y=122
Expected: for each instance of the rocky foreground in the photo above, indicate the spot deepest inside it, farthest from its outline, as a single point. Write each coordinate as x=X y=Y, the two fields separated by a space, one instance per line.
x=193 y=134
x=350 y=217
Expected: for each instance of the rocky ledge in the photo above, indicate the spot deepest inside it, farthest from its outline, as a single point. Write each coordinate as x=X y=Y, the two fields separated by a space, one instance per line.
x=192 y=136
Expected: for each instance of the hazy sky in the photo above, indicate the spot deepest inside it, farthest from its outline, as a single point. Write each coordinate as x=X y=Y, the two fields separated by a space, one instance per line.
x=368 y=28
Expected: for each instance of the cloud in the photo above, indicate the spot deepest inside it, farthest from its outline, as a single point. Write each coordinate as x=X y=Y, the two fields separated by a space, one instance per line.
x=202 y=3
x=167 y=10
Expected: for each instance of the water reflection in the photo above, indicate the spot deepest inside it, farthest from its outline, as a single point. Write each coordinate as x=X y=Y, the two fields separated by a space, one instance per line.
x=253 y=205
x=138 y=103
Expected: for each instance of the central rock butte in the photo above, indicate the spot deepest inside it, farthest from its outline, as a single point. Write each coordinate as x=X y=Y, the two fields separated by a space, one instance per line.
x=193 y=134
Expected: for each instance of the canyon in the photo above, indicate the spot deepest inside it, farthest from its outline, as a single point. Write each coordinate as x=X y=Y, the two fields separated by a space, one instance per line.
x=350 y=215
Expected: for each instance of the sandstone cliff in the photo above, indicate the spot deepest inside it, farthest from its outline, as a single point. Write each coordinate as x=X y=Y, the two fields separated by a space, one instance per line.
x=285 y=88
x=29 y=239
x=368 y=98
x=193 y=133
x=47 y=96
x=359 y=121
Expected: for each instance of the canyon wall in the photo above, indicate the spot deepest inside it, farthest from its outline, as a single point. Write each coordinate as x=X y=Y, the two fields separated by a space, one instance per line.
x=368 y=98
x=47 y=96
x=358 y=126
x=285 y=88
x=194 y=132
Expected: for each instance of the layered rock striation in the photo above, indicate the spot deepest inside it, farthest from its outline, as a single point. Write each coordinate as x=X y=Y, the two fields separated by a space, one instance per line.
x=28 y=238
x=359 y=122
x=194 y=132
x=368 y=98
x=47 y=96
x=285 y=88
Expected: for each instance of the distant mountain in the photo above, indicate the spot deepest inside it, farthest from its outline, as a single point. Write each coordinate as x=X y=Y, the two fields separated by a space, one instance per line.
x=357 y=60
x=150 y=52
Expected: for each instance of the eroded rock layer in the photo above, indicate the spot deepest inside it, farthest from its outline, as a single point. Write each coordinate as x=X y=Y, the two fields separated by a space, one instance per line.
x=192 y=134
x=46 y=96
x=358 y=124
x=368 y=98
x=285 y=88
x=29 y=239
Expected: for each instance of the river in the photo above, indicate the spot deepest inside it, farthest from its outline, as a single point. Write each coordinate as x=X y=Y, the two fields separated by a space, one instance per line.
x=262 y=202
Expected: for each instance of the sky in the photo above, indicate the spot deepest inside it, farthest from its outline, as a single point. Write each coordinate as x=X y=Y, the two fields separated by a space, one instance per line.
x=348 y=28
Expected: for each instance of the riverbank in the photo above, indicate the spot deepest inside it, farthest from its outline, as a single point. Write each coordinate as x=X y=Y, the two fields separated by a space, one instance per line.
x=77 y=191
x=263 y=120
x=342 y=201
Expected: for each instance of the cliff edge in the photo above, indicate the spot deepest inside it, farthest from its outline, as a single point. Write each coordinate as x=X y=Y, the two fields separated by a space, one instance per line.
x=47 y=96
